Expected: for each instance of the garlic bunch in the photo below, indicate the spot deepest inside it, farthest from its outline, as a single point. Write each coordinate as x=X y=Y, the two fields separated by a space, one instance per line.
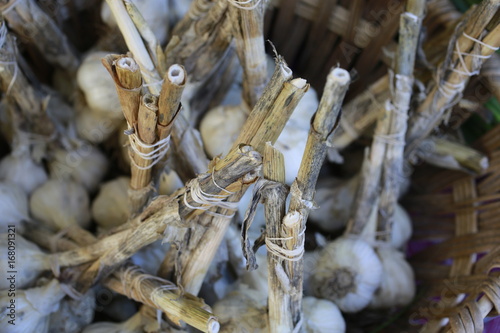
x=13 y=206
x=29 y=261
x=335 y=201
x=242 y=311
x=73 y=314
x=348 y=272
x=169 y=182
x=397 y=287
x=321 y=316
x=94 y=127
x=19 y=168
x=155 y=13
x=113 y=194
x=61 y=204
x=98 y=87
x=86 y=165
x=32 y=308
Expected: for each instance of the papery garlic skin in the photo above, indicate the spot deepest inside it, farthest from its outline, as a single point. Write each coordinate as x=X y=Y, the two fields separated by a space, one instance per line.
x=95 y=127
x=29 y=261
x=169 y=182
x=150 y=257
x=110 y=208
x=19 y=168
x=61 y=204
x=334 y=204
x=220 y=127
x=397 y=287
x=73 y=314
x=402 y=228
x=33 y=307
x=348 y=272
x=321 y=316
x=242 y=311
x=98 y=86
x=86 y=165
x=13 y=206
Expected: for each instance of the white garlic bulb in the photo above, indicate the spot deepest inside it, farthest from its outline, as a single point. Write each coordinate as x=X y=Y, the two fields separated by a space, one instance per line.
x=321 y=316
x=113 y=194
x=61 y=204
x=397 y=287
x=242 y=311
x=220 y=127
x=257 y=279
x=310 y=261
x=26 y=259
x=73 y=314
x=98 y=86
x=348 y=272
x=334 y=204
x=155 y=13
x=169 y=182
x=13 y=205
x=86 y=165
x=19 y=168
x=32 y=308
x=95 y=127
x=401 y=228
x=150 y=257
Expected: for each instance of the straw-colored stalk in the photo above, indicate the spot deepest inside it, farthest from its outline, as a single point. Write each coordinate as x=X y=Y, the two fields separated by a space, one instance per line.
x=491 y=71
x=274 y=194
x=16 y=88
x=165 y=211
x=247 y=28
x=392 y=175
x=187 y=146
x=31 y=23
x=130 y=281
x=464 y=56
x=323 y=125
x=452 y=155
x=265 y=123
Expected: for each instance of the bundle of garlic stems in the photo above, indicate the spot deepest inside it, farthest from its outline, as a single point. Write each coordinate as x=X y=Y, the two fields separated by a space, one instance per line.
x=130 y=281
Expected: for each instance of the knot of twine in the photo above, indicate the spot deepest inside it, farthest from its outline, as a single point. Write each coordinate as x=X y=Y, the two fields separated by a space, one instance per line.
x=159 y=149
x=240 y=4
x=132 y=279
x=208 y=200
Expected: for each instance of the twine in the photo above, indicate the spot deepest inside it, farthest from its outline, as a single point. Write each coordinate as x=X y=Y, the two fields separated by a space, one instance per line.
x=160 y=148
x=135 y=285
x=208 y=200
x=238 y=4
x=284 y=253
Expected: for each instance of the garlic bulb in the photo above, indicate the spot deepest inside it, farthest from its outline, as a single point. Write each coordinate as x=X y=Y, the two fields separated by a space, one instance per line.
x=169 y=182
x=335 y=204
x=220 y=127
x=112 y=194
x=321 y=316
x=150 y=257
x=73 y=314
x=61 y=204
x=32 y=308
x=257 y=279
x=398 y=281
x=310 y=260
x=98 y=86
x=29 y=261
x=19 y=168
x=13 y=205
x=155 y=13
x=242 y=311
x=95 y=127
x=86 y=165
x=401 y=229
x=348 y=272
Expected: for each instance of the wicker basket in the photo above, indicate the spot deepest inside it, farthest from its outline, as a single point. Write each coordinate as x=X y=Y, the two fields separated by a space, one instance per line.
x=454 y=214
